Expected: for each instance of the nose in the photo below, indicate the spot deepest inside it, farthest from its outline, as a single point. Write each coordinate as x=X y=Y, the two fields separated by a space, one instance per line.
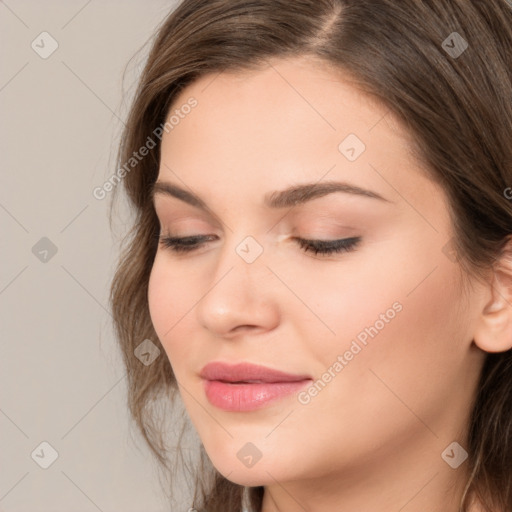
x=240 y=296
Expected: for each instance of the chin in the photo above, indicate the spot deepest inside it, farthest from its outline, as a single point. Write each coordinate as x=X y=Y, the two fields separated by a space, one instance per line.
x=235 y=470
x=248 y=477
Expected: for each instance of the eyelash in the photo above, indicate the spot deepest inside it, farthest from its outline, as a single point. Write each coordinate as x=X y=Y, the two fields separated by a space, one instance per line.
x=324 y=247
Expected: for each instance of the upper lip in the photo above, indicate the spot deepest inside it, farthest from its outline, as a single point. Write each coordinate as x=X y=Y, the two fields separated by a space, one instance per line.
x=247 y=372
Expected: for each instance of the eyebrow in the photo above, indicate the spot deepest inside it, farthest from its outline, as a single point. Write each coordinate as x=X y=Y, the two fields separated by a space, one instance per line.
x=298 y=194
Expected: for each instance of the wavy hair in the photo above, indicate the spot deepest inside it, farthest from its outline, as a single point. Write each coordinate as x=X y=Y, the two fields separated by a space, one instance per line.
x=458 y=110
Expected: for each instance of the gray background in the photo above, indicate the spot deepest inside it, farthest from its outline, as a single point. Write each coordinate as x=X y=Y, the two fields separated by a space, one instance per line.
x=62 y=380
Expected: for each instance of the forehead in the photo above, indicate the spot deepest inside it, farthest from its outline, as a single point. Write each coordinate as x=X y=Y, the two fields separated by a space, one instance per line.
x=300 y=90
x=287 y=121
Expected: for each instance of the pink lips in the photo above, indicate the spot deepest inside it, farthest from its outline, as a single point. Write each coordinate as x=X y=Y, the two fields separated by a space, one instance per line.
x=246 y=387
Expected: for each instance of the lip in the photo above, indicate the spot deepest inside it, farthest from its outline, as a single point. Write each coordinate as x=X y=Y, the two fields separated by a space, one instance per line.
x=246 y=387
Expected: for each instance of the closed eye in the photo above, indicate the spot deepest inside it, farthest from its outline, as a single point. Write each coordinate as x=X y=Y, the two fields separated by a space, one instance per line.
x=325 y=247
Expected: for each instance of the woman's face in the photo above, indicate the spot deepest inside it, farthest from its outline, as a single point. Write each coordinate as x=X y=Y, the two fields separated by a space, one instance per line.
x=382 y=329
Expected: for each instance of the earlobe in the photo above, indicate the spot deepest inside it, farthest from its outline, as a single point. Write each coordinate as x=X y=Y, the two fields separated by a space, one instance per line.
x=494 y=328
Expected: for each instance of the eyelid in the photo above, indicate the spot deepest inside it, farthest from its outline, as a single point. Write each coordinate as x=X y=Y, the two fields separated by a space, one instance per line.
x=188 y=244
x=334 y=216
x=187 y=223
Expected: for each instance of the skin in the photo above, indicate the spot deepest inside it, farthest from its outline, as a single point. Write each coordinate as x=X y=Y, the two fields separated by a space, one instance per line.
x=372 y=439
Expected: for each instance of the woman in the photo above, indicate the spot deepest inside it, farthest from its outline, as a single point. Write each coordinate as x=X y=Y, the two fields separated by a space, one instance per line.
x=322 y=251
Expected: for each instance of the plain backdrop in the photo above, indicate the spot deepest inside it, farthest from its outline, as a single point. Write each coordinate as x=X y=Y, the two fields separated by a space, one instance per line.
x=63 y=392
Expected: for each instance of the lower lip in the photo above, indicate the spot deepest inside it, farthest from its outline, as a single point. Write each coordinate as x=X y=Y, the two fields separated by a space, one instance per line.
x=249 y=397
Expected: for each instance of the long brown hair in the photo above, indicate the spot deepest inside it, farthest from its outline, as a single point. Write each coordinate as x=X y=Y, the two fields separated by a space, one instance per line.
x=456 y=102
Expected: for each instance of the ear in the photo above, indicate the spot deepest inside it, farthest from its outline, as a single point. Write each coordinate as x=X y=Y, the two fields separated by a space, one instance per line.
x=494 y=328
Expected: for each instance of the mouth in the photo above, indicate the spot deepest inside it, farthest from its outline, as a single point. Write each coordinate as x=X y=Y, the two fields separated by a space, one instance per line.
x=247 y=373
x=246 y=387
x=242 y=381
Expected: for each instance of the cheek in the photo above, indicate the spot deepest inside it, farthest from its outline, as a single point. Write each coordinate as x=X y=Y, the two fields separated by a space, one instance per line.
x=406 y=364
x=170 y=299
x=158 y=297
x=399 y=329
x=409 y=288
x=357 y=299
